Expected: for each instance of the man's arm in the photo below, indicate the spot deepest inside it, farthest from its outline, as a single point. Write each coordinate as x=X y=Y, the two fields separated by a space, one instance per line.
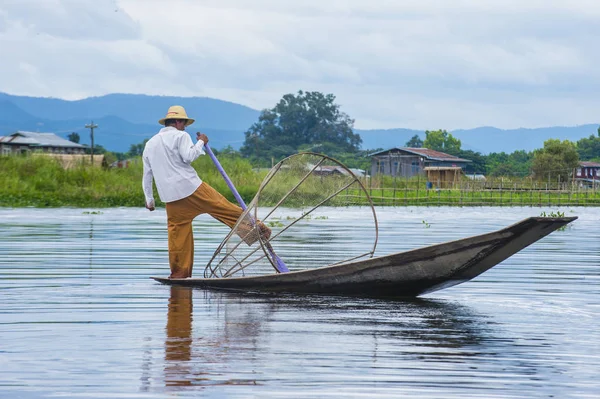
x=190 y=151
x=147 y=184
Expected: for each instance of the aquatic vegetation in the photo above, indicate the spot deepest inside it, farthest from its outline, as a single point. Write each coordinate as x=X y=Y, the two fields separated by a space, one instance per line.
x=557 y=214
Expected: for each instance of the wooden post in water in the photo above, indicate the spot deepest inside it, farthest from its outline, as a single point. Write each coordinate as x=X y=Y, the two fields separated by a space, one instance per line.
x=511 y=193
x=558 y=190
x=394 y=192
x=531 y=192
x=418 y=185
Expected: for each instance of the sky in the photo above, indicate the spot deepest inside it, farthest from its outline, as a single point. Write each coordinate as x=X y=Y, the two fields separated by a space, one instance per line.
x=419 y=64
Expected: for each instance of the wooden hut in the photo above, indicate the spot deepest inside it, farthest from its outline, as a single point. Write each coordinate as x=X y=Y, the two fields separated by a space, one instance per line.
x=443 y=176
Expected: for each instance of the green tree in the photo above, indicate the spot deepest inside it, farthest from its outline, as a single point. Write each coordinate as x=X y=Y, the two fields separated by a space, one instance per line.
x=414 y=142
x=477 y=164
x=441 y=140
x=74 y=137
x=357 y=160
x=228 y=150
x=589 y=148
x=556 y=161
x=503 y=169
x=300 y=121
x=516 y=164
x=98 y=149
x=136 y=150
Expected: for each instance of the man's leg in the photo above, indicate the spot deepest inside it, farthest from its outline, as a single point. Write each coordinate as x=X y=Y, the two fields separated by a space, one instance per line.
x=224 y=211
x=217 y=205
x=181 y=241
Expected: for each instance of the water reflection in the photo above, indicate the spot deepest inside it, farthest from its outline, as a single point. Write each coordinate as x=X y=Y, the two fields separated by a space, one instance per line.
x=416 y=321
x=194 y=357
x=426 y=336
x=178 y=345
x=241 y=332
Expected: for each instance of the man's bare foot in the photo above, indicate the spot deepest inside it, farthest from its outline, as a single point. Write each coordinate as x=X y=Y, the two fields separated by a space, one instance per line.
x=174 y=277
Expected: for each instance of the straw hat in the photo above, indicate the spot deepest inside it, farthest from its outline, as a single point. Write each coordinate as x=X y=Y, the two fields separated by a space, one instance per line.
x=176 y=112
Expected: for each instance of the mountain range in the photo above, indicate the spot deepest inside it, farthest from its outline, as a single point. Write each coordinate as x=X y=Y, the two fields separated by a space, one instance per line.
x=126 y=119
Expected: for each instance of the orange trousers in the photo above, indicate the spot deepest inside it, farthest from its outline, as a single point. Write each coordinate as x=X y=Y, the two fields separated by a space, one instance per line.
x=180 y=214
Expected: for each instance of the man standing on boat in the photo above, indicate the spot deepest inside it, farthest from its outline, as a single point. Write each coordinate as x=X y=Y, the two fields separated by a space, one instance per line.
x=167 y=157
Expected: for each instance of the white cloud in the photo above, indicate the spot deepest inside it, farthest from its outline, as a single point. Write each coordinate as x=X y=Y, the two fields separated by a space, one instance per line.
x=72 y=19
x=418 y=64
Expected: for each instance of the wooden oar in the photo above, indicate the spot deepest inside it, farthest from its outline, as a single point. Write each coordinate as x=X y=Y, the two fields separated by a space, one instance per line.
x=280 y=266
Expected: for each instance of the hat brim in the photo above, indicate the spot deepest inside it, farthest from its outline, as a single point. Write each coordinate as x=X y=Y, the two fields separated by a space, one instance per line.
x=189 y=121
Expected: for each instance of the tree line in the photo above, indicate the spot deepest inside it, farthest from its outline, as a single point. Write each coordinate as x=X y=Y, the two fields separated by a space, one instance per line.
x=555 y=161
x=312 y=121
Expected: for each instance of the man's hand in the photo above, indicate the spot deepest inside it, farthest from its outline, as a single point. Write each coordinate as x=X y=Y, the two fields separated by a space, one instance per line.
x=202 y=136
x=150 y=206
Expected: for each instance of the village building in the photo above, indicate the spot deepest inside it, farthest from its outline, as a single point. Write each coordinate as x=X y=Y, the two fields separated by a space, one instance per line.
x=439 y=168
x=22 y=142
x=588 y=172
x=68 y=153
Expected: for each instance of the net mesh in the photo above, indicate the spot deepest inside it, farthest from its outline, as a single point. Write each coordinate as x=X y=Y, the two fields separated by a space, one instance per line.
x=296 y=207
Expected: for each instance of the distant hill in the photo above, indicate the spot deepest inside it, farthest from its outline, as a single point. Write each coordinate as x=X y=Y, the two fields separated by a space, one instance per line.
x=138 y=108
x=126 y=119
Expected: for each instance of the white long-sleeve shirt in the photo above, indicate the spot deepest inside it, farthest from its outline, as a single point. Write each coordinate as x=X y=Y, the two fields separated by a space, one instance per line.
x=167 y=158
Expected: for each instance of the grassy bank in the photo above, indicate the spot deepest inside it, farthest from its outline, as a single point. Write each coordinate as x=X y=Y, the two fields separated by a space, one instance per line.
x=42 y=182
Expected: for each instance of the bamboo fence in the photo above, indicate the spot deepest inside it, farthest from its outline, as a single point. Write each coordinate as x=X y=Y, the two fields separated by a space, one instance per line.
x=496 y=192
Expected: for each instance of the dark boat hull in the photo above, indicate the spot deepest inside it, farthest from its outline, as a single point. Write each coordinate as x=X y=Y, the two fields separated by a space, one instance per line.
x=403 y=274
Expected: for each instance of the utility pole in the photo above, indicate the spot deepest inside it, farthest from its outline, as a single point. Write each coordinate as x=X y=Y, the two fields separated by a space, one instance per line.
x=92 y=126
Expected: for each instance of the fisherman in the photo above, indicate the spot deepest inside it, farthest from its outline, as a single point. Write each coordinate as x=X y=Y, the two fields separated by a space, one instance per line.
x=167 y=157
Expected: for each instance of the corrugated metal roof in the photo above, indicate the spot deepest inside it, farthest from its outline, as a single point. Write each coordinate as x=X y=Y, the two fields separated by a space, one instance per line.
x=430 y=153
x=35 y=139
x=18 y=139
x=427 y=153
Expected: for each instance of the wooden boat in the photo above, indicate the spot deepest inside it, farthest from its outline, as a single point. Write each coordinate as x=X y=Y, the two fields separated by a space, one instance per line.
x=403 y=274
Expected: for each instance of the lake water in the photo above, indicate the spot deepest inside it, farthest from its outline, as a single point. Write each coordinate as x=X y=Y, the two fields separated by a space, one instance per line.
x=79 y=317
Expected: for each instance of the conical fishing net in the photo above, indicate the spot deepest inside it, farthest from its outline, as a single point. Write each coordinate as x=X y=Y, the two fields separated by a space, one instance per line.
x=296 y=211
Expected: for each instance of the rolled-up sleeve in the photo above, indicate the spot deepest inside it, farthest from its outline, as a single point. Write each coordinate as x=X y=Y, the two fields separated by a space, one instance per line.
x=188 y=150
